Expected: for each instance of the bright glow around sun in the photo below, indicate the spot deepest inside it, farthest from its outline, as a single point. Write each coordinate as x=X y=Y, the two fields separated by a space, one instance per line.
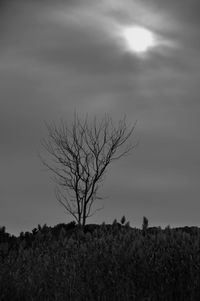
x=138 y=39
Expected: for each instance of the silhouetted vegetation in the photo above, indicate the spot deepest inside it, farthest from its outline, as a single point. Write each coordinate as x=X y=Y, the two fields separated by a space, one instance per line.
x=80 y=156
x=101 y=262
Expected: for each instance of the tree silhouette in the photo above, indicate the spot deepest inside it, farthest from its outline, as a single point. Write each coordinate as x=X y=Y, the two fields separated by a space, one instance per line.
x=145 y=224
x=79 y=156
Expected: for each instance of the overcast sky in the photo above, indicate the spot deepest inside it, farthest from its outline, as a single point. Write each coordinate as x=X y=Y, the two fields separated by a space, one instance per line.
x=58 y=56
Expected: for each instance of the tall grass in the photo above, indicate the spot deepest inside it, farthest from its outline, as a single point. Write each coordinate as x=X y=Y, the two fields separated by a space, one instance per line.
x=101 y=263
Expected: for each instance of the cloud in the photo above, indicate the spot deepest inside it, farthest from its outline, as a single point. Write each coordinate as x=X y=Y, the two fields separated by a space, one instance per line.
x=58 y=56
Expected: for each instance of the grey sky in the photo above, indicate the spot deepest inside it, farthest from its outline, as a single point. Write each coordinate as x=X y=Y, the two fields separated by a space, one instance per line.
x=55 y=58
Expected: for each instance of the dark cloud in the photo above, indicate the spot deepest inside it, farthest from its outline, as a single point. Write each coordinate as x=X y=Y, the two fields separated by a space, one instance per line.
x=182 y=10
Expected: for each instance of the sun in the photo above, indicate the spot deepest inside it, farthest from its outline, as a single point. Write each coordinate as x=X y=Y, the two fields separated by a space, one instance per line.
x=138 y=39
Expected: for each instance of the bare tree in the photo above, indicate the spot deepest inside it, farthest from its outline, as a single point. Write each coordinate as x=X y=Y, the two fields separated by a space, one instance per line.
x=80 y=155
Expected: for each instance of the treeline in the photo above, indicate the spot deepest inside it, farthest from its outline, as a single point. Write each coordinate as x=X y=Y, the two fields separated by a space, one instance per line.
x=101 y=262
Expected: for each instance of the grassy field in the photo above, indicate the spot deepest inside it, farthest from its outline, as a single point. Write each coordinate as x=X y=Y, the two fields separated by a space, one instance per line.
x=101 y=262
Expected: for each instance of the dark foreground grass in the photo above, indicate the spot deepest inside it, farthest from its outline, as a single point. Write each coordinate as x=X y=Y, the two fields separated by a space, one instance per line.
x=107 y=262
